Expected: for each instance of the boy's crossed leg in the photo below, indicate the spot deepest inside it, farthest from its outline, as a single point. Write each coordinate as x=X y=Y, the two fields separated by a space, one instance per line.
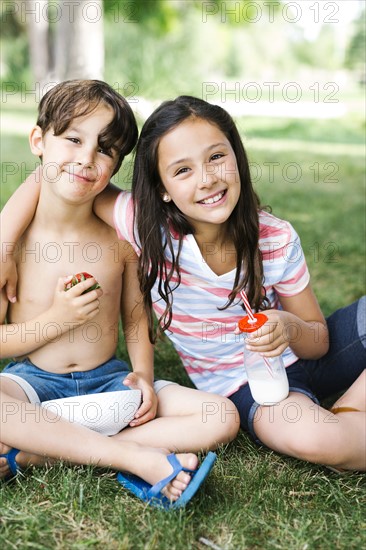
x=184 y=413
x=187 y=420
x=58 y=439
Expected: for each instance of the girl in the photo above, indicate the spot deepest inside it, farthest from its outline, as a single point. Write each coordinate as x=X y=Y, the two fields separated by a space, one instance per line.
x=202 y=237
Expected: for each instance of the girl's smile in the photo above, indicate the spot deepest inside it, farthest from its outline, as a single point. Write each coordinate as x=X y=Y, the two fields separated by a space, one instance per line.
x=198 y=169
x=214 y=199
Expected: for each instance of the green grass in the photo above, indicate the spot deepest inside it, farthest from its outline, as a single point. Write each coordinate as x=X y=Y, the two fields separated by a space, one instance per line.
x=254 y=498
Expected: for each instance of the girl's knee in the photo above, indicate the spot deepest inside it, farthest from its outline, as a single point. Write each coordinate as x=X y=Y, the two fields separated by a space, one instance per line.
x=307 y=447
x=221 y=412
x=317 y=446
x=304 y=436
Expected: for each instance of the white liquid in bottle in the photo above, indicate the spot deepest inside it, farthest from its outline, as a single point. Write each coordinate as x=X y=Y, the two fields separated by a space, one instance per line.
x=267 y=376
x=267 y=391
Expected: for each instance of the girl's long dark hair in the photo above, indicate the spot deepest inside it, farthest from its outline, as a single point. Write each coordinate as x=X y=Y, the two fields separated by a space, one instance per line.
x=155 y=220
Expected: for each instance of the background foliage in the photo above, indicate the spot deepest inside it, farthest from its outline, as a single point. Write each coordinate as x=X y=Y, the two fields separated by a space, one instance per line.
x=185 y=42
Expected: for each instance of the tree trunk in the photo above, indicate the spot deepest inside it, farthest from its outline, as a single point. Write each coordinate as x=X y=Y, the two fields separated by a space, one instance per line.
x=79 y=40
x=72 y=46
x=39 y=52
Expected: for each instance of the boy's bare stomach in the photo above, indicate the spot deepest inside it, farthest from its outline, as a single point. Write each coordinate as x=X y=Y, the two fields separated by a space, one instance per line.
x=81 y=349
x=94 y=342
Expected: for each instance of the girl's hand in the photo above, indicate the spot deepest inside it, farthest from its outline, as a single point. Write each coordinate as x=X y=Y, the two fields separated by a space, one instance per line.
x=149 y=406
x=9 y=276
x=72 y=308
x=274 y=336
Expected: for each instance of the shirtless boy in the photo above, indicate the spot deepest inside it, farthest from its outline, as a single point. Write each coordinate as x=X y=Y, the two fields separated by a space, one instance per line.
x=63 y=340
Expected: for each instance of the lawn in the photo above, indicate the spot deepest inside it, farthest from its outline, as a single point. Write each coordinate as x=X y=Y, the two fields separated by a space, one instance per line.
x=311 y=173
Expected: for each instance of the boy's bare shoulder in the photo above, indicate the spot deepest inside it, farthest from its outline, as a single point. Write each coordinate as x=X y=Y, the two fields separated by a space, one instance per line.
x=123 y=251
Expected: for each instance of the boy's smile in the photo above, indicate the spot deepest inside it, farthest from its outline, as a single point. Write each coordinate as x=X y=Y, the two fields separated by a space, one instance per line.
x=197 y=166
x=75 y=166
x=77 y=174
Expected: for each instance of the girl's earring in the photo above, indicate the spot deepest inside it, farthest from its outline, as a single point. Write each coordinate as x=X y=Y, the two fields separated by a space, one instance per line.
x=166 y=197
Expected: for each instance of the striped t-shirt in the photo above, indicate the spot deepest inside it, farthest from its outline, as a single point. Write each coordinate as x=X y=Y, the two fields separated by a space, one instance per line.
x=202 y=334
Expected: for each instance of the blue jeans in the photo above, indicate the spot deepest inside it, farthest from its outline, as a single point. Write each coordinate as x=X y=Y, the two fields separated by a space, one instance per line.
x=46 y=385
x=320 y=378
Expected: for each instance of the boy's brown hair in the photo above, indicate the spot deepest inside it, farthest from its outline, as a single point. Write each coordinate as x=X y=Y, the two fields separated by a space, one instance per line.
x=74 y=98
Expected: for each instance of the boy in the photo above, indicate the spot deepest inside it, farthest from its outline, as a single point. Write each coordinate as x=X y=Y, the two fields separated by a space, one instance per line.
x=64 y=342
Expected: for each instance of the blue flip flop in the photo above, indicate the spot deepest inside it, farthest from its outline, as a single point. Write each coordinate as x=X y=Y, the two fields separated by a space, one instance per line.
x=152 y=494
x=10 y=457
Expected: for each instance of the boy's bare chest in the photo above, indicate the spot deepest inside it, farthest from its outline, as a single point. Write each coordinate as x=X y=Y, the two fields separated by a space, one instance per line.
x=42 y=260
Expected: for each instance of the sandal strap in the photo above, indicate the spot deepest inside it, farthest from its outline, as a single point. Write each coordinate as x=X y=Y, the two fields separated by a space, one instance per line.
x=177 y=468
x=10 y=457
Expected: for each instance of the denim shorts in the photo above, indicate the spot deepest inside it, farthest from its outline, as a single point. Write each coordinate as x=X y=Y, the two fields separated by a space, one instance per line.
x=40 y=385
x=320 y=378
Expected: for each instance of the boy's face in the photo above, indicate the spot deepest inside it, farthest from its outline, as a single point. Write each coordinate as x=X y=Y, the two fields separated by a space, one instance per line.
x=74 y=164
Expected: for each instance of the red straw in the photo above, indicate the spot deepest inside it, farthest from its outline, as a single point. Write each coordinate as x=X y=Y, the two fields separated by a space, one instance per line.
x=269 y=366
x=252 y=319
x=247 y=307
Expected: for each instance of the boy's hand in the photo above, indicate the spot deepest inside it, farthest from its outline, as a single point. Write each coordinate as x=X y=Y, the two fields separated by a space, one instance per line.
x=149 y=406
x=76 y=306
x=78 y=278
x=9 y=277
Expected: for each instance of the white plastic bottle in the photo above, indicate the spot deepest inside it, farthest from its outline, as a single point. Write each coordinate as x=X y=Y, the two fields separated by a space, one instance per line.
x=267 y=376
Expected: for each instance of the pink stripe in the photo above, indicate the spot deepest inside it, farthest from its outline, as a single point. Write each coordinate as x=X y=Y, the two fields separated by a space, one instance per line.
x=179 y=318
x=270 y=231
x=272 y=225
x=214 y=366
x=296 y=278
x=200 y=370
x=191 y=281
x=273 y=253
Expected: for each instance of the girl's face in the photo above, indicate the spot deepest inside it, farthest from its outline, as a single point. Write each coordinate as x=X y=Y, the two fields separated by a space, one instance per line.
x=198 y=168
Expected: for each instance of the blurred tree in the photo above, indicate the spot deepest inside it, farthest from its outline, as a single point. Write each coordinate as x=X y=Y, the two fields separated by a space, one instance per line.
x=330 y=42
x=158 y=48
x=355 y=54
x=160 y=15
x=181 y=46
x=39 y=48
x=65 y=37
x=79 y=41
x=13 y=44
